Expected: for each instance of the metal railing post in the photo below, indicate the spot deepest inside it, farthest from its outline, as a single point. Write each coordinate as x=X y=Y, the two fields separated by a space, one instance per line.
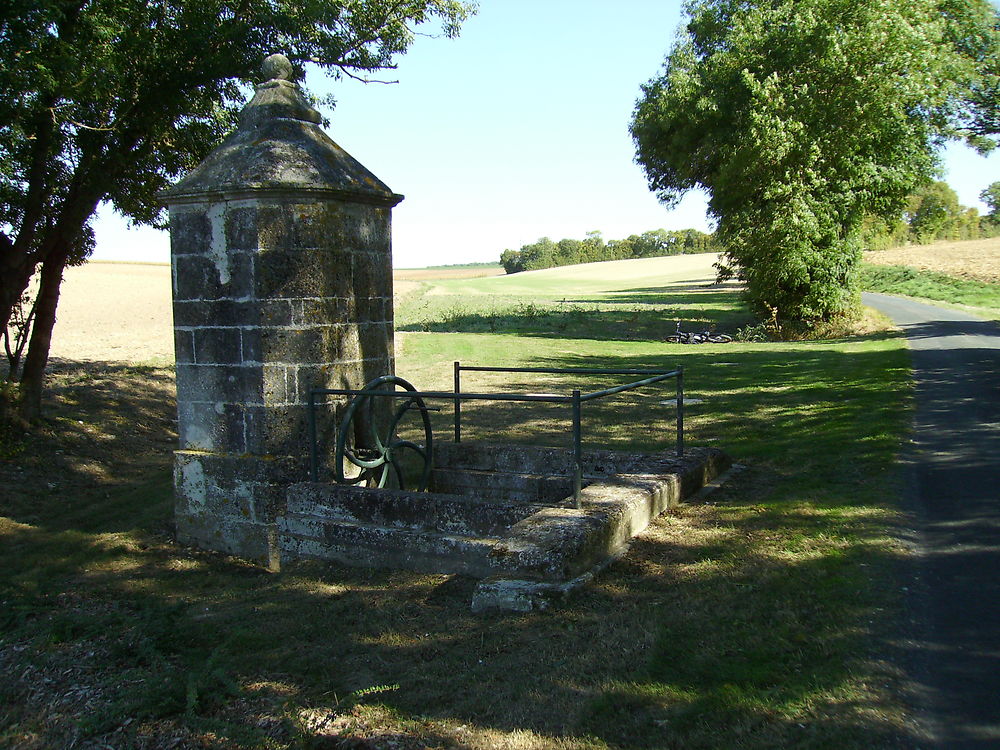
x=577 y=451
x=313 y=449
x=680 y=411
x=458 y=403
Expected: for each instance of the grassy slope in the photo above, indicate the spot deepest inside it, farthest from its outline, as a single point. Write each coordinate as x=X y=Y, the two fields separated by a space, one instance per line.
x=749 y=621
x=963 y=273
x=929 y=285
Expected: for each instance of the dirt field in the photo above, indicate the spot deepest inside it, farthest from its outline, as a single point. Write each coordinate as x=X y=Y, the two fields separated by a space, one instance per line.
x=971 y=259
x=116 y=312
x=430 y=274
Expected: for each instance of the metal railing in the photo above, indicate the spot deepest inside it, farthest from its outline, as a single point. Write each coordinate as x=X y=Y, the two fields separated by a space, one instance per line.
x=576 y=400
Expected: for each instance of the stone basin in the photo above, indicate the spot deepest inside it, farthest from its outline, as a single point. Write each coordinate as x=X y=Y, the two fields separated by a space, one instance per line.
x=501 y=513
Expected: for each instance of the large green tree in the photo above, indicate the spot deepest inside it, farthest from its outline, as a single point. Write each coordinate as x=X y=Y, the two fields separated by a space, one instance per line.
x=110 y=100
x=802 y=117
x=991 y=197
x=931 y=210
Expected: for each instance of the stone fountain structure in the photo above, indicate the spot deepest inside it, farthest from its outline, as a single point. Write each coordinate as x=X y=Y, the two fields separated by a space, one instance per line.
x=282 y=283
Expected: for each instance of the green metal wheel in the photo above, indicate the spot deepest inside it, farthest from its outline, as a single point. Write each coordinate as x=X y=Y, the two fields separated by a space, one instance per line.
x=379 y=455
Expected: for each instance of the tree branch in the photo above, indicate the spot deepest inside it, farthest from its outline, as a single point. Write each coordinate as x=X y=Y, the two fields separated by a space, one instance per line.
x=363 y=79
x=74 y=122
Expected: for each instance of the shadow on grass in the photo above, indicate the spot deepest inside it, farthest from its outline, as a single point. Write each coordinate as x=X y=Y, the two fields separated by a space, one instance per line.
x=738 y=624
x=705 y=636
x=106 y=427
x=626 y=315
x=811 y=406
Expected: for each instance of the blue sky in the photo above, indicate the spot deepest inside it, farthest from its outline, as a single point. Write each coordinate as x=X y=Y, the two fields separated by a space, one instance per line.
x=516 y=130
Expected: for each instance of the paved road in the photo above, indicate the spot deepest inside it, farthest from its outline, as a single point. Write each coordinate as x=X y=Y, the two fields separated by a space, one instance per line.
x=953 y=654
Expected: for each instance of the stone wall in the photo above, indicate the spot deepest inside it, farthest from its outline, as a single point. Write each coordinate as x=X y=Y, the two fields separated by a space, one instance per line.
x=271 y=298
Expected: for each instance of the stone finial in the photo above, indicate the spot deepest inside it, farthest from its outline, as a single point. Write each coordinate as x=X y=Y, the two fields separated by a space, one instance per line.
x=276 y=67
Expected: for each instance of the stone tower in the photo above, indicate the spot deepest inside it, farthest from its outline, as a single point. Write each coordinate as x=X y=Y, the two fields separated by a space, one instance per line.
x=282 y=281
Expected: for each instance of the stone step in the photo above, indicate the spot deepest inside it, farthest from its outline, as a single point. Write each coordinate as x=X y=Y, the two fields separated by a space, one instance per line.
x=508 y=486
x=368 y=545
x=463 y=515
x=553 y=462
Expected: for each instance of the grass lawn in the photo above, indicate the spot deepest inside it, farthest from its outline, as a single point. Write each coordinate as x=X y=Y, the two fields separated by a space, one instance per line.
x=758 y=618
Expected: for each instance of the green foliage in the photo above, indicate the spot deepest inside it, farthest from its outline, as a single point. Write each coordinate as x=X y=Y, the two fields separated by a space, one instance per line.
x=803 y=117
x=111 y=100
x=931 y=209
x=991 y=197
x=548 y=254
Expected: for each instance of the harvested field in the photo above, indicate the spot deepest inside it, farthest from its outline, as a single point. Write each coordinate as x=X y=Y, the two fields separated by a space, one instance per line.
x=447 y=272
x=978 y=260
x=121 y=312
x=115 y=312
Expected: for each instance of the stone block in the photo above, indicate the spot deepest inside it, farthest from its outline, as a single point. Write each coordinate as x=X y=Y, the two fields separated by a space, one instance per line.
x=221 y=312
x=216 y=427
x=389 y=508
x=374 y=309
x=225 y=383
x=371 y=546
x=348 y=375
x=350 y=345
x=372 y=274
x=381 y=229
x=375 y=340
x=241 y=228
x=280 y=384
x=190 y=231
x=251 y=346
x=512 y=595
x=367 y=227
x=294 y=273
x=507 y=486
x=221 y=346
x=316 y=344
x=239 y=487
x=273 y=227
x=377 y=367
x=249 y=540
x=183 y=346
x=277 y=312
x=244 y=468
x=279 y=430
x=324 y=310
x=322 y=224
x=318 y=225
x=198 y=277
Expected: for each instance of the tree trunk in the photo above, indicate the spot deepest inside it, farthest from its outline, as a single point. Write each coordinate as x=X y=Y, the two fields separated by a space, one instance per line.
x=33 y=375
x=14 y=279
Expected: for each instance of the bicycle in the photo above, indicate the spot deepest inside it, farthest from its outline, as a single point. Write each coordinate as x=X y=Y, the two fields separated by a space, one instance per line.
x=699 y=337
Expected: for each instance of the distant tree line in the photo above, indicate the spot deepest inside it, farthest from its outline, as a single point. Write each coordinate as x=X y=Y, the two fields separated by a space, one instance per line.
x=933 y=213
x=546 y=253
